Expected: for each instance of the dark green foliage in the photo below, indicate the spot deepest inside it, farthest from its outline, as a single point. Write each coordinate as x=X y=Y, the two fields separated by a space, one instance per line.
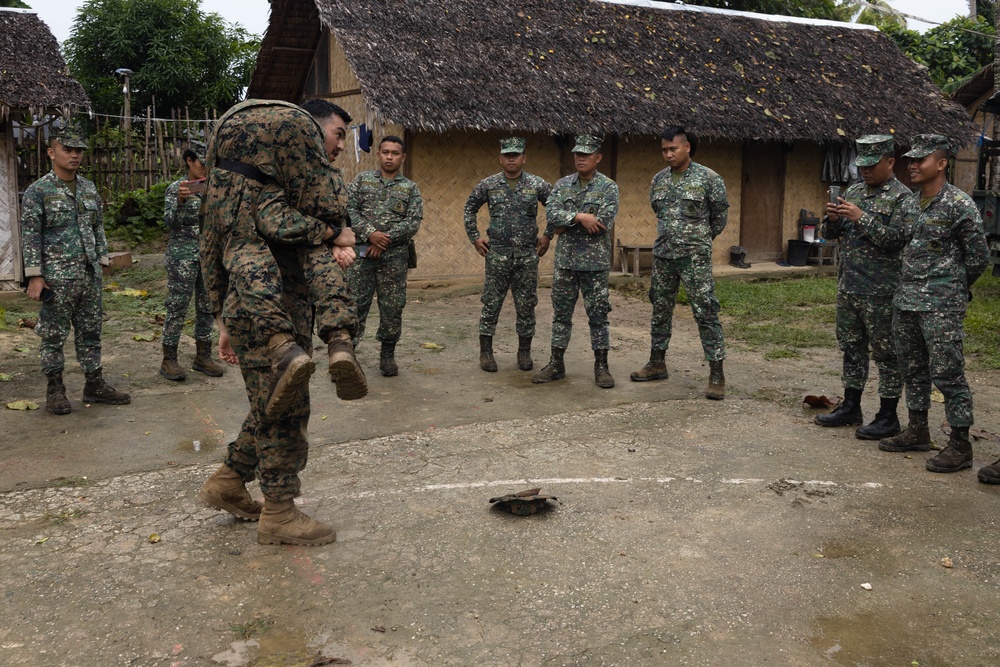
x=136 y=217
x=951 y=51
x=14 y=3
x=814 y=9
x=178 y=54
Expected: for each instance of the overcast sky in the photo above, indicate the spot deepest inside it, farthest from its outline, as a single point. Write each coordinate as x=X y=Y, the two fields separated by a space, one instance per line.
x=253 y=14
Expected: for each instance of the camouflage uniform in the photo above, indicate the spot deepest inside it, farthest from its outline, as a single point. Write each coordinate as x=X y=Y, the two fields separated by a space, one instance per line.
x=183 y=268
x=866 y=281
x=258 y=238
x=689 y=215
x=945 y=253
x=62 y=236
x=512 y=261
x=396 y=208
x=582 y=260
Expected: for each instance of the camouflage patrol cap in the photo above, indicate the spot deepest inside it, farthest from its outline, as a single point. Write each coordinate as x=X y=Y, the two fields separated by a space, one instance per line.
x=511 y=145
x=923 y=145
x=69 y=135
x=198 y=148
x=587 y=144
x=872 y=147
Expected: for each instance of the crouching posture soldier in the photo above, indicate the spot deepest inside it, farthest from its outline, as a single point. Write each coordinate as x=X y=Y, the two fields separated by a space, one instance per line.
x=181 y=213
x=868 y=221
x=511 y=249
x=63 y=243
x=691 y=210
x=945 y=253
x=581 y=210
x=258 y=238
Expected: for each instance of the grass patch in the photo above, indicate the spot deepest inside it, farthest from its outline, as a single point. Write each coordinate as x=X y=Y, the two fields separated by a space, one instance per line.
x=253 y=628
x=782 y=353
x=982 y=323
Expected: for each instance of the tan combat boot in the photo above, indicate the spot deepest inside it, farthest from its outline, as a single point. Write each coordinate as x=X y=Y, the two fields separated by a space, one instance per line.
x=203 y=362
x=281 y=522
x=290 y=371
x=226 y=491
x=655 y=368
x=345 y=371
x=916 y=437
x=170 y=369
x=602 y=376
x=957 y=455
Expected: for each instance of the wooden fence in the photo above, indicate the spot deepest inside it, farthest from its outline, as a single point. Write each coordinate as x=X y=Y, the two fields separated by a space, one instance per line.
x=124 y=154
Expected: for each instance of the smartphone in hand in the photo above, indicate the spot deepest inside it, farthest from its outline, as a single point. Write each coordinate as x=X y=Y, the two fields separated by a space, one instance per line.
x=195 y=187
x=834 y=194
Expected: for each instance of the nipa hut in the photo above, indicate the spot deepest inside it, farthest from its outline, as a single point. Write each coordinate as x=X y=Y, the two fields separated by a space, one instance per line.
x=33 y=81
x=768 y=96
x=971 y=95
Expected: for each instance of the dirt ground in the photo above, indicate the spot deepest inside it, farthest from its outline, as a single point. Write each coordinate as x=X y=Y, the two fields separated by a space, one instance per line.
x=687 y=531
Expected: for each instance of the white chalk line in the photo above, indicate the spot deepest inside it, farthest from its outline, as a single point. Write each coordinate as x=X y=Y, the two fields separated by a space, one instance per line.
x=540 y=481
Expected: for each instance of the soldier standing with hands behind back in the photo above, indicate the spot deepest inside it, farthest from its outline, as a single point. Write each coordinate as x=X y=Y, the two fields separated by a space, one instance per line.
x=945 y=253
x=868 y=220
x=511 y=250
x=691 y=210
x=64 y=247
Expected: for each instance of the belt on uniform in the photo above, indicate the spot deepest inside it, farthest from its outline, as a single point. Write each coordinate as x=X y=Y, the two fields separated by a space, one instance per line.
x=248 y=170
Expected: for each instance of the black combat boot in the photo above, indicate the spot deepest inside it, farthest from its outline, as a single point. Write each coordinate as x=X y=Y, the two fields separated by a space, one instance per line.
x=486 y=360
x=169 y=368
x=55 y=395
x=602 y=376
x=387 y=360
x=990 y=474
x=956 y=456
x=885 y=424
x=554 y=370
x=716 y=389
x=655 y=368
x=846 y=413
x=916 y=437
x=203 y=360
x=96 y=390
x=524 y=361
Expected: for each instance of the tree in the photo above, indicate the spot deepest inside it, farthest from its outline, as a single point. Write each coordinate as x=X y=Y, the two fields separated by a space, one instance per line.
x=179 y=55
x=813 y=9
x=950 y=51
x=17 y=4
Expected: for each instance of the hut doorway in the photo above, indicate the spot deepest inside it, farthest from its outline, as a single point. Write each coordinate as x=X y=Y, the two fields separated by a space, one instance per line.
x=762 y=200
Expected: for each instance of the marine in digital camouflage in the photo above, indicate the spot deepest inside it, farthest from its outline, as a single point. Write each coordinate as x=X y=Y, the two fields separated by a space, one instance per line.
x=512 y=260
x=582 y=260
x=690 y=212
x=577 y=250
x=945 y=253
x=63 y=241
x=394 y=207
x=257 y=239
x=868 y=274
x=184 y=268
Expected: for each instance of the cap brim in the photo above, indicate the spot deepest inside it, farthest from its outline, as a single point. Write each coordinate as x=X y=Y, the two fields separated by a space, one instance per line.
x=510 y=151
x=917 y=152
x=867 y=161
x=586 y=150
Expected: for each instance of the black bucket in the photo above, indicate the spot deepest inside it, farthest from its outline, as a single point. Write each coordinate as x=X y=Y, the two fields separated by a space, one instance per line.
x=798 y=252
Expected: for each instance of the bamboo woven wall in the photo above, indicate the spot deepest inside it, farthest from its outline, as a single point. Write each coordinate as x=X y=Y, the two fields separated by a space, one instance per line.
x=447 y=167
x=640 y=158
x=10 y=251
x=803 y=187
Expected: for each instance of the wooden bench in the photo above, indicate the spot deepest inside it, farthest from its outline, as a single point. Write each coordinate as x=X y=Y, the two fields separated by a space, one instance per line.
x=823 y=253
x=636 y=252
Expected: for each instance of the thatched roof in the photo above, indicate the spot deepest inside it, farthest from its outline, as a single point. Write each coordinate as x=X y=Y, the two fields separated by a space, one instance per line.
x=33 y=74
x=573 y=65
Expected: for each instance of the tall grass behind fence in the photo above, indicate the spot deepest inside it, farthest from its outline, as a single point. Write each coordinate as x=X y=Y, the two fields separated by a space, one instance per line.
x=119 y=161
